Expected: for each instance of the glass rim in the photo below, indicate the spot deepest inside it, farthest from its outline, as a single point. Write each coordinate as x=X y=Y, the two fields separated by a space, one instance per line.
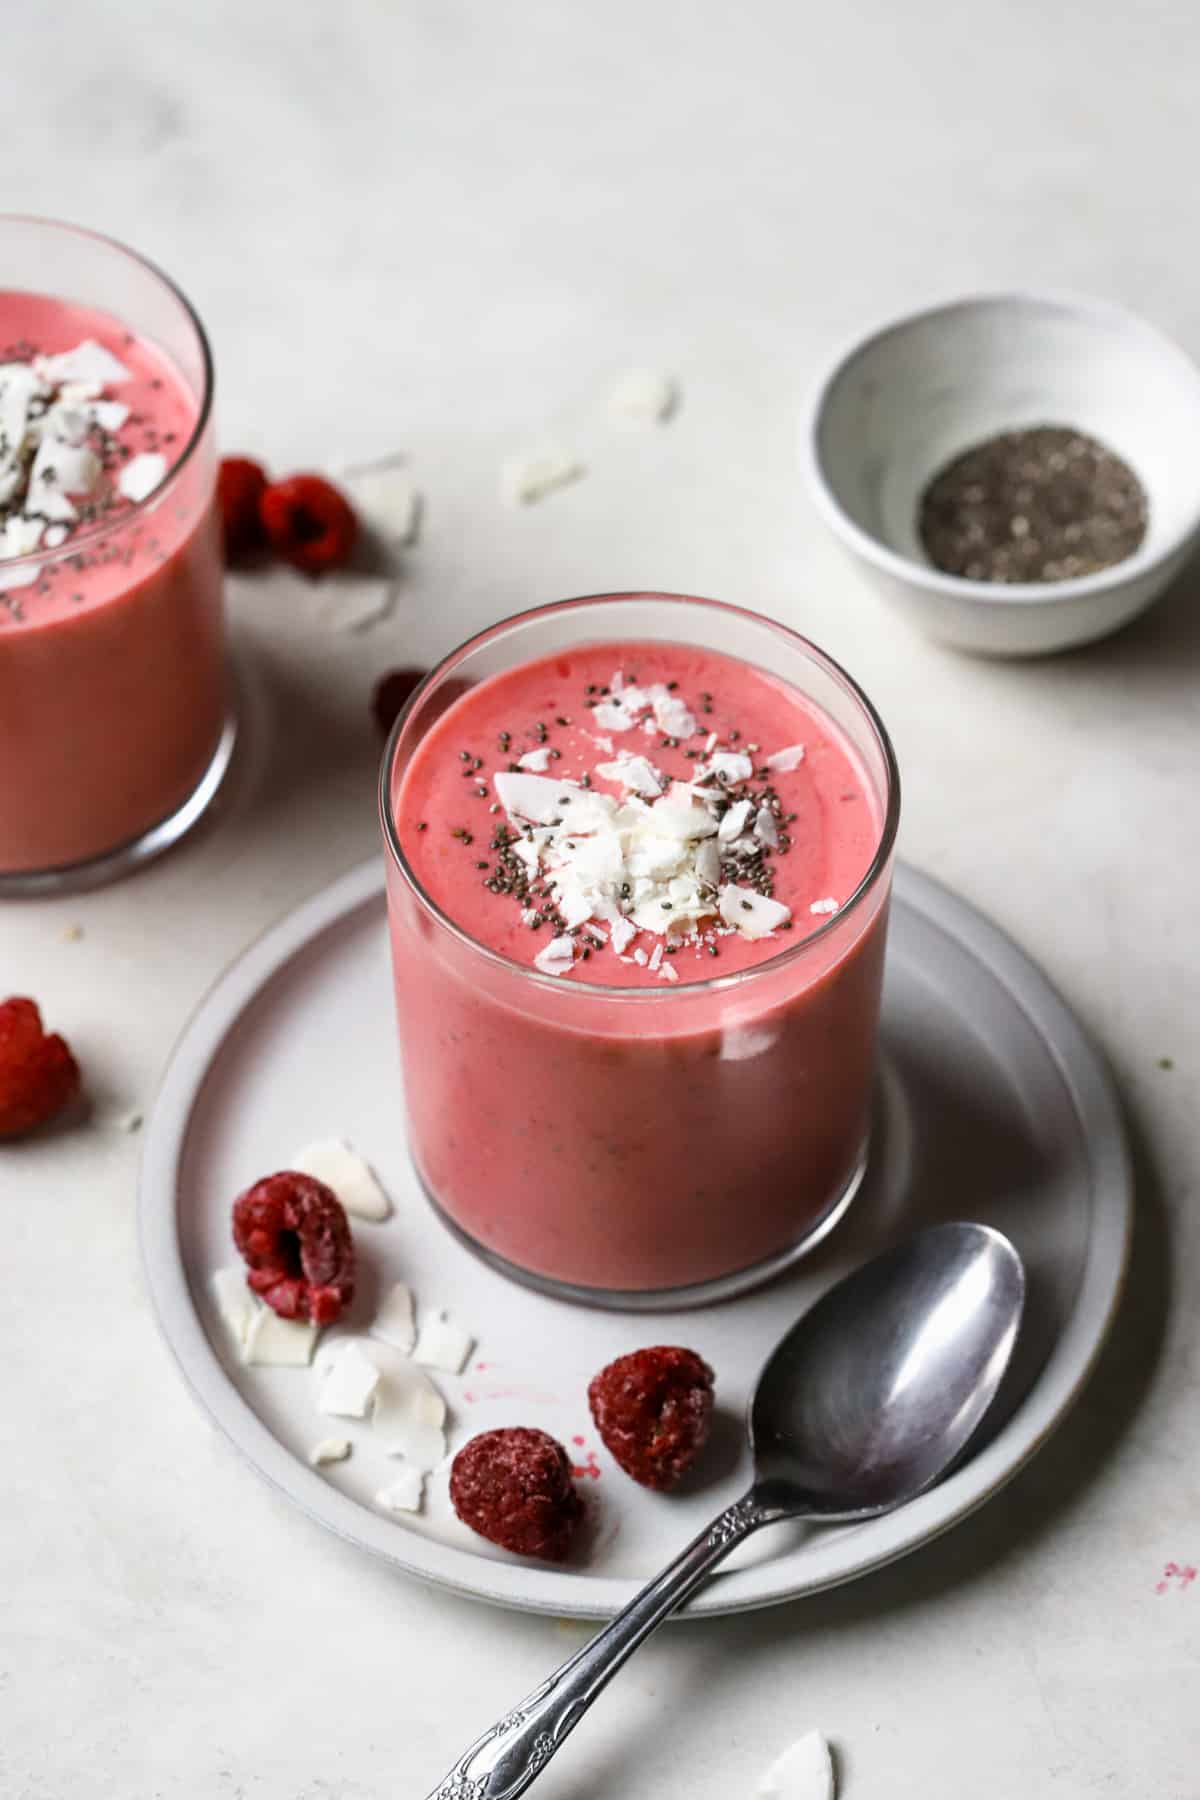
x=596 y=990
x=37 y=559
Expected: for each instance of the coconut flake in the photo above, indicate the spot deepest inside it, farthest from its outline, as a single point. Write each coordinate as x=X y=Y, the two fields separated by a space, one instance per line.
x=751 y=913
x=784 y=761
x=341 y=1168
x=89 y=363
x=671 y=716
x=824 y=906
x=386 y=500
x=272 y=1342
x=141 y=475
x=537 y=761
x=729 y=766
x=557 y=956
x=409 y=1413
x=329 y=1450
x=803 y=1772
x=441 y=1344
x=635 y=774
x=733 y=821
x=766 y=828
x=235 y=1303
x=394 y=1321
x=348 y=1382
x=529 y=478
x=405 y=1494
x=643 y=397
x=623 y=933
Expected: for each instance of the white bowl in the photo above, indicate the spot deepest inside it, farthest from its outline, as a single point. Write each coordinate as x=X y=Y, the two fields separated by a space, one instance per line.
x=899 y=404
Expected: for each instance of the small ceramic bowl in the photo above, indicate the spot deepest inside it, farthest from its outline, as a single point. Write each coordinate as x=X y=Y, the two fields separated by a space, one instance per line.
x=901 y=403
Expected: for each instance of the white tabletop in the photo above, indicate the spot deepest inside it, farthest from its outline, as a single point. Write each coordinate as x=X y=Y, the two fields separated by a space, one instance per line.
x=443 y=230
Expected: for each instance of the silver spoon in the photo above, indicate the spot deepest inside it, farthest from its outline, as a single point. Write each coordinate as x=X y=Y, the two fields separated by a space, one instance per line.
x=865 y=1402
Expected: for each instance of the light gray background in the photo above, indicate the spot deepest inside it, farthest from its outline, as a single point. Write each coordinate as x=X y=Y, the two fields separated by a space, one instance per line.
x=442 y=229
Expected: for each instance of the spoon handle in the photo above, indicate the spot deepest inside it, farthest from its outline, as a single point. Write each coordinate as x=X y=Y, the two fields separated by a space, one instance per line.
x=502 y=1763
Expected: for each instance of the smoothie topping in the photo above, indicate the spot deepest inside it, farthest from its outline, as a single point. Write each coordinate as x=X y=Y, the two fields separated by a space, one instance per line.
x=58 y=449
x=683 y=860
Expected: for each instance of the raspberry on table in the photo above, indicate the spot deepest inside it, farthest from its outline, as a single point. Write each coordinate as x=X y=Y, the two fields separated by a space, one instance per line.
x=514 y=1487
x=308 y=522
x=391 y=693
x=241 y=485
x=38 y=1074
x=653 y=1409
x=294 y=1236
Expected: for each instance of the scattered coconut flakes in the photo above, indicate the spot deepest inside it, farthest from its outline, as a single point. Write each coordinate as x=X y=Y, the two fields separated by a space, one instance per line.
x=824 y=906
x=386 y=499
x=394 y=1321
x=803 y=1772
x=404 y=1494
x=668 y=972
x=784 y=761
x=329 y=1450
x=22 y=577
x=640 y=957
x=348 y=1382
x=529 y=478
x=88 y=362
x=341 y=1168
x=409 y=1413
x=557 y=956
x=536 y=761
x=272 y=1342
x=644 y=397
x=236 y=1305
x=656 y=956
x=141 y=475
x=611 y=717
x=20 y=536
x=751 y=913
x=441 y=1344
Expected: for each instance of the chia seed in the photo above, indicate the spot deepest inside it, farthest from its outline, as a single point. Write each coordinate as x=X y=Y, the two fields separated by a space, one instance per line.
x=1045 y=504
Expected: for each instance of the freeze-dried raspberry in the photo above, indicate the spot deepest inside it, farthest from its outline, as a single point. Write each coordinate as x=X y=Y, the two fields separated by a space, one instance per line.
x=38 y=1074
x=391 y=692
x=653 y=1410
x=240 y=486
x=293 y=1233
x=514 y=1487
x=308 y=522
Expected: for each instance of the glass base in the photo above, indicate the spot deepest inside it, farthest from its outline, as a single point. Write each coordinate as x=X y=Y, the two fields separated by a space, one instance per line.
x=75 y=878
x=704 y=1293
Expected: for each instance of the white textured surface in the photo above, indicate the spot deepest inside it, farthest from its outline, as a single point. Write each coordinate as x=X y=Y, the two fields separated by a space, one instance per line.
x=481 y=216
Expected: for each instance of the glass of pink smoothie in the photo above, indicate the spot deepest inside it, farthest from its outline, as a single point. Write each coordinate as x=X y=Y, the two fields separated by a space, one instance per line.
x=639 y=854
x=115 y=721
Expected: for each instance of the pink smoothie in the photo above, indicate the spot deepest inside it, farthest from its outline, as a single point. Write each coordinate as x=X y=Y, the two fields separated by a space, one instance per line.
x=112 y=680
x=700 y=1124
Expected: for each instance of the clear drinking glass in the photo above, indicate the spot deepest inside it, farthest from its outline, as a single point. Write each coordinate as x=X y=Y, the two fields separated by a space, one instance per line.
x=641 y=1146
x=115 y=720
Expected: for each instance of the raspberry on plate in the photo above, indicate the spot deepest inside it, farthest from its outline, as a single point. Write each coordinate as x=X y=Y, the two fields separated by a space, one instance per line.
x=241 y=485
x=514 y=1487
x=294 y=1236
x=653 y=1409
x=308 y=522
x=38 y=1074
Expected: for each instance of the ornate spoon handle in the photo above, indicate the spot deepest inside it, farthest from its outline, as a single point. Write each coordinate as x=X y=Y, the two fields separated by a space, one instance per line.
x=502 y=1763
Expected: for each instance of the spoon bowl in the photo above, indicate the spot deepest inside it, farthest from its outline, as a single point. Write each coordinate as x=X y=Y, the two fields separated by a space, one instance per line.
x=878 y=1388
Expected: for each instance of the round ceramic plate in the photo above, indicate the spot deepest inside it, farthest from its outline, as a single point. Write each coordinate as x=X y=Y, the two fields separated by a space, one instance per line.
x=992 y=1106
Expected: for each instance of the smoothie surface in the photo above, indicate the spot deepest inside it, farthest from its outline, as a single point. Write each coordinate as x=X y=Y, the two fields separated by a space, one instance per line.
x=147 y=410
x=792 y=816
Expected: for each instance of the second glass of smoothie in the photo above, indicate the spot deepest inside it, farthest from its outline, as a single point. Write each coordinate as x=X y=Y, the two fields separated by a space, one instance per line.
x=639 y=855
x=115 y=722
